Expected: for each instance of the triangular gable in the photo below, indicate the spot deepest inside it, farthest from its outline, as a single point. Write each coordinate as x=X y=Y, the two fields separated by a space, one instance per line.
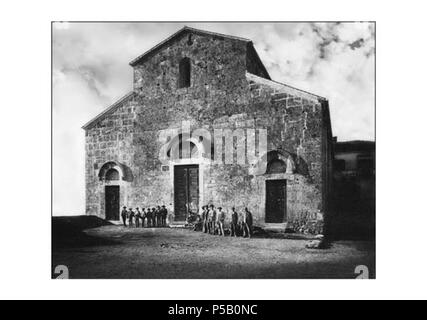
x=180 y=33
x=251 y=52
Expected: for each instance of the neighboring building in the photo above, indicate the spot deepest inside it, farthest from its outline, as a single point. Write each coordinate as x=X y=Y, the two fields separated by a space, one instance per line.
x=211 y=81
x=354 y=189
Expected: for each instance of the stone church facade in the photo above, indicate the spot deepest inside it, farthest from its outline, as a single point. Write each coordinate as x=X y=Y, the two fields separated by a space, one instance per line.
x=202 y=82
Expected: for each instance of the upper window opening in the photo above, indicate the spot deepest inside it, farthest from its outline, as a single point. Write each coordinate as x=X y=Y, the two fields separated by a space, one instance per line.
x=184 y=73
x=190 y=40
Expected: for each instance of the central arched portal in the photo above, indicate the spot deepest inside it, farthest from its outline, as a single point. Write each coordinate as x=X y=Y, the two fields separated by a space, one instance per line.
x=187 y=155
x=186 y=190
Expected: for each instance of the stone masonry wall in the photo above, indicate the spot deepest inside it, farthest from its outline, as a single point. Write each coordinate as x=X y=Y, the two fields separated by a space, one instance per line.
x=222 y=94
x=110 y=139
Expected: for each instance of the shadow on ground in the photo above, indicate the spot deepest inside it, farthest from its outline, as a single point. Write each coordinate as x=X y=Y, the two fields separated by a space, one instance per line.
x=69 y=232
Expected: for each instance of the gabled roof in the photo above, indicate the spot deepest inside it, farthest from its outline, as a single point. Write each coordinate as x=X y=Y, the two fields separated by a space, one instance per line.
x=109 y=110
x=179 y=33
x=161 y=45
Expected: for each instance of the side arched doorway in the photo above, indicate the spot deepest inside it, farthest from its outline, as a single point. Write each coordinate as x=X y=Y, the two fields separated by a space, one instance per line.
x=114 y=177
x=278 y=170
x=112 y=196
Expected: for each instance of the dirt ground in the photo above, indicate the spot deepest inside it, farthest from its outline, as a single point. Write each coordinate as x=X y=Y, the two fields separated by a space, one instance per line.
x=113 y=252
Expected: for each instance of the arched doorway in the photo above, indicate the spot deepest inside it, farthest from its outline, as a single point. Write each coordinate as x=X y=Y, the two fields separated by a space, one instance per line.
x=187 y=156
x=275 y=205
x=112 y=195
x=114 y=176
x=276 y=192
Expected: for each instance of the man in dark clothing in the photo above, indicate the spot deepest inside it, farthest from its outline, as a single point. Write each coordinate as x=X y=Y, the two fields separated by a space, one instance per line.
x=124 y=215
x=131 y=216
x=234 y=222
x=212 y=220
x=143 y=216
x=208 y=220
x=149 y=218
x=137 y=217
x=154 y=216
x=164 y=215
x=159 y=216
x=247 y=224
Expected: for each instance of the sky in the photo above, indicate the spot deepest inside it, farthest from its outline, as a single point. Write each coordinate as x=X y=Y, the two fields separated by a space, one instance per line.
x=91 y=71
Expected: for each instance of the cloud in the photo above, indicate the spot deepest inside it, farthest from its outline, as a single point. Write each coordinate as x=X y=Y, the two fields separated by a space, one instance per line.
x=91 y=71
x=73 y=101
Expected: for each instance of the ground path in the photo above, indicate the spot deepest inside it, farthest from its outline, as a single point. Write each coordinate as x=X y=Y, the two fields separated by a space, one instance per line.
x=118 y=252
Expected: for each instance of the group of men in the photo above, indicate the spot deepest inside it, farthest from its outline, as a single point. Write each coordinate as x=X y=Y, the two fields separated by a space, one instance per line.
x=147 y=217
x=212 y=221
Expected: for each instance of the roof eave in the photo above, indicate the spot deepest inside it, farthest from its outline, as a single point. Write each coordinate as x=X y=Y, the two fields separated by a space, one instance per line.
x=252 y=76
x=138 y=59
x=119 y=102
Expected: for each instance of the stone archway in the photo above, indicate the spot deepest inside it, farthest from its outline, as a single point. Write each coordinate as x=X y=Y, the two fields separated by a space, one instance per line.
x=189 y=146
x=274 y=161
x=125 y=174
x=187 y=156
x=114 y=176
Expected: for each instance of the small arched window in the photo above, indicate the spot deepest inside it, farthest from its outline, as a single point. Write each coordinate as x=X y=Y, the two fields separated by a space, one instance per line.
x=276 y=166
x=184 y=79
x=112 y=174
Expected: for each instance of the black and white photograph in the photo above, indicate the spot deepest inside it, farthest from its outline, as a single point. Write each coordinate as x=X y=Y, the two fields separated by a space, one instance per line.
x=220 y=150
x=207 y=160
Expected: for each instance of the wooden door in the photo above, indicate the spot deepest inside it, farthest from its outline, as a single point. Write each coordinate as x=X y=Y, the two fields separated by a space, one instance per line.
x=186 y=190
x=275 y=208
x=112 y=202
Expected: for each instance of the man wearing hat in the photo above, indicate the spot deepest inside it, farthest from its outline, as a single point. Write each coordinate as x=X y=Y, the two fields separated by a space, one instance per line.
x=154 y=216
x=137 y=217
x=208 y=220
x=204 y=219
x=149 y=218
x=220 y=221
x=159 y=216
x=143 y=216
x=212 y=219
x=124 y=215
x=234 y=222
x=247 y=223
x=131 y=216
x=164 y=215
